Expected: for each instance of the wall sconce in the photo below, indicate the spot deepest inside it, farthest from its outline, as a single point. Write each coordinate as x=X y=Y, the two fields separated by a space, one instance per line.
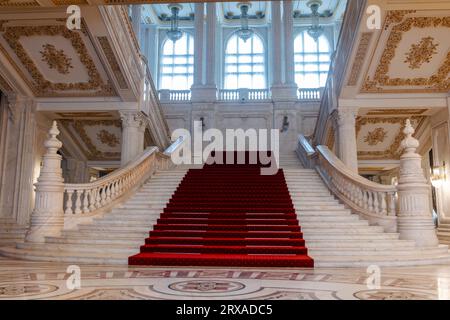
x=202 y=120
x=438 y=175
x=285 y=125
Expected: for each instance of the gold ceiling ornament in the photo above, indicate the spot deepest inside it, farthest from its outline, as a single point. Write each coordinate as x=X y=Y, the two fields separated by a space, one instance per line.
x=2 y=23
x=438 y=82
x=421 y=52
x=396 y=16
x=390 y=112
x=392 y=152
x=78 y=127
x=359 y=58
x=107 y=50
x=71 y=115
x=43 y=87
x=56 y=59
x=18 y=4
x=108 y=138
x=376 y=136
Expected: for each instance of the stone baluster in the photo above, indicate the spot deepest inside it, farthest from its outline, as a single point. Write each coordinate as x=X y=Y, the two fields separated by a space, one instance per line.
x=69 y=202
x=414 y=211
x=77 y=202
x=47 y=218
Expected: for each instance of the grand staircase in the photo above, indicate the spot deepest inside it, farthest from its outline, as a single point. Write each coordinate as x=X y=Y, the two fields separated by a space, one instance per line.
x=334 y=236
x=227 y=215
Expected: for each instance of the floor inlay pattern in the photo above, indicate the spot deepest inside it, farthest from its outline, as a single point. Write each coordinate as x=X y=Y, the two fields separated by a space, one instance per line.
x=41 y=280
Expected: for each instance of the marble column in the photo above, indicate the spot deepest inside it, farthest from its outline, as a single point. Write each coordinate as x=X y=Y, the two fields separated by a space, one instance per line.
x=136 y=13
x=209 y=91
x=198 y=43
x=347 y=148
x=133 y=128
x=288 y=18
x=47 y=218
x=197 y=89
x=276 y=44
x=414 y=220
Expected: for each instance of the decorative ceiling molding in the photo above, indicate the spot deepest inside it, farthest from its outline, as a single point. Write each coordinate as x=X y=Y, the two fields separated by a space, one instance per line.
x=392 y=152
x=376 y=136
x=77 y=131
x=361 y=54
x=395 y=16
x=95 y=86
x=83 y=115
x=56 y=59
x=421 y=52
x=438 y=82
x=19 y=3
x=391 y=112
x=109 y=54
x=4 y=85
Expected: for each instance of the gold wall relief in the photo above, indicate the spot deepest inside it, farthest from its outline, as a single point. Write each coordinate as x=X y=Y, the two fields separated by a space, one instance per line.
x=359 y=58
x=43 y=87
x=56 y=59
x=108 y=138
x=376 y=136
x=107 y=50
x=438 y=82
x=421 y=52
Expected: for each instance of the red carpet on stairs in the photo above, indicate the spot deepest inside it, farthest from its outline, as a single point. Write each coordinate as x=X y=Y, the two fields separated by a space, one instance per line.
x=227 y=215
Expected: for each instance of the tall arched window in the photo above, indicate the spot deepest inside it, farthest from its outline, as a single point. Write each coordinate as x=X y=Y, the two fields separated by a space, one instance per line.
x=244 y=63
x=312 y=60
x=177 y=63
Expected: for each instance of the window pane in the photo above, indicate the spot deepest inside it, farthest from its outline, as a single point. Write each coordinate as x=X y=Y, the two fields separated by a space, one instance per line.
x=177 y=64
x=244 y=63
x=311 y=60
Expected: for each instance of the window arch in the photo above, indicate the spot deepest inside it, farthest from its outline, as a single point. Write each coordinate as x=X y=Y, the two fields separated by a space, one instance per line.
x=177 y=63
x=244 y=63
x=312 y=60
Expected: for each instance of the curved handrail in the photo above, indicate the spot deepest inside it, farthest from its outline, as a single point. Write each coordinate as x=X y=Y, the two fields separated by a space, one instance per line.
x=101 y=194
x=305 y=151
x=335 y=162
x=374 y=201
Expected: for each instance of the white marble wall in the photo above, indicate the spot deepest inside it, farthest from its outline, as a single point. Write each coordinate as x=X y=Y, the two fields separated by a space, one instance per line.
x=264 y=115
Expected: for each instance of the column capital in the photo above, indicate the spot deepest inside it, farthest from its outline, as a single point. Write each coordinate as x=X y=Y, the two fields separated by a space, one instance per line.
x=346 y=116
x=134 y=119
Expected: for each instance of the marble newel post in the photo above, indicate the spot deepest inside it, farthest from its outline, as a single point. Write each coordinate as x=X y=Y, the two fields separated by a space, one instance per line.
x=47 y=218
x=414 y=211
x=133 y=129
x=347 y=148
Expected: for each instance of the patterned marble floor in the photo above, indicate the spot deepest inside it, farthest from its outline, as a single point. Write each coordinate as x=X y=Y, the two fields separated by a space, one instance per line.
x=43 y=280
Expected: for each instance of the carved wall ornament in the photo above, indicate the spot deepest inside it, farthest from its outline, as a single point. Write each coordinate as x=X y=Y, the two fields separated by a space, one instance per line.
x=108 y=138
x=421 y=52
x=376 y=136
x=43 y=87
x=438 y=82
x=56 y=59
x=359 y=58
